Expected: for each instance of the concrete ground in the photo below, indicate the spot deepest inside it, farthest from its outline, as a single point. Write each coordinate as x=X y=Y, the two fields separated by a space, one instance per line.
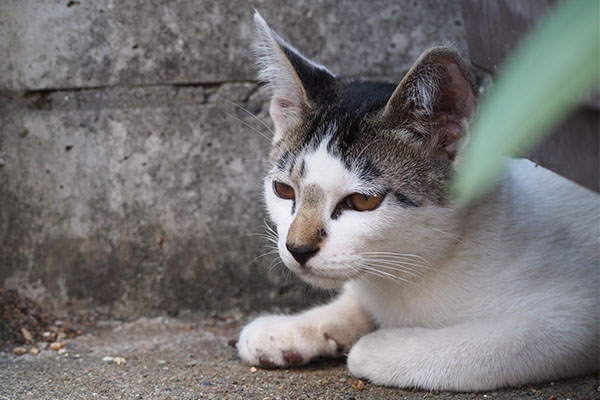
x=195 y=358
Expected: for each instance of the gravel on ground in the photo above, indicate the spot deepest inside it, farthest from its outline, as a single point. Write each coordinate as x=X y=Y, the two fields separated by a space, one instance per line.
x=195 y=358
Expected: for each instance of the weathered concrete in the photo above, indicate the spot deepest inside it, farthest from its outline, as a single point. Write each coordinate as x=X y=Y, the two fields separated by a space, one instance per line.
x=140 y=198
x=111 y=43
x=130 y=186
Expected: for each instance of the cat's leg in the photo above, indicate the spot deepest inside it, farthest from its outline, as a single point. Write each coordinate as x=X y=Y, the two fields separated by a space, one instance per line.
x=330 y=330
x=473 y=357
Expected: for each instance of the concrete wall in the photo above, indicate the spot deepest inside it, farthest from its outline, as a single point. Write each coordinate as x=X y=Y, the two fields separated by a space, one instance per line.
x=130 y=186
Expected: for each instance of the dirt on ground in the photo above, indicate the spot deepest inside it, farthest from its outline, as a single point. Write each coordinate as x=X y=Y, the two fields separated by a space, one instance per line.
x=195 y=358
x=22 y=321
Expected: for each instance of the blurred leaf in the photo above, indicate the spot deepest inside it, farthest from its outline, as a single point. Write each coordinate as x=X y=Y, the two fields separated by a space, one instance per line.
x=553 y=68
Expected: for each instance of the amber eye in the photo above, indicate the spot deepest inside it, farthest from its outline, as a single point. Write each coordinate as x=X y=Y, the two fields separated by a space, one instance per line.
x=284 y=191
x=363 y=202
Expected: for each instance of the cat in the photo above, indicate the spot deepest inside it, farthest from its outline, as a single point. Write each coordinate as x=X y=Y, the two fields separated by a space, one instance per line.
x=434 y=295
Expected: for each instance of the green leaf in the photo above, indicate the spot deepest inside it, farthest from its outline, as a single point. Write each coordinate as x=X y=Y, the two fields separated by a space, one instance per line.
x=546 y=77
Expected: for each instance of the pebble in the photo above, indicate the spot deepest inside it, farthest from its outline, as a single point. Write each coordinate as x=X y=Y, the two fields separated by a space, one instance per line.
x=49 y=336
x=119 y=360
x=253 y=369
x=57 y=345
x=116 y=360
x=358 y=385
x=27 y=335
x=19 y=351
x=35 y=351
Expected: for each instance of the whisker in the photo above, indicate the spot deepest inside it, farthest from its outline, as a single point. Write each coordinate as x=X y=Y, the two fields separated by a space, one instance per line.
x=400 y=261
x=261 y=256
x=386 y=275
x=269 y=228
x=364 y=148
x=268 y=237
x=398 y=267
x=447 y=234
x=275 y=263
x=392 y=254
x=248 y=125
x=395 y=256
x=255 y=234
x=248 y=112
x=270 y=247
x=396 y=261
x=271 y=234
x=362 y=276
x=415 y=265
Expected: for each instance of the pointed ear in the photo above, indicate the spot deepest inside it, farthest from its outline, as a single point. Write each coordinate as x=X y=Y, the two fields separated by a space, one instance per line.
x=295 y=81
x=439 y=91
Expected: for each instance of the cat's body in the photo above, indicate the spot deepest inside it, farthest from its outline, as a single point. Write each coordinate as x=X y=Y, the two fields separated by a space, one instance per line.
x=502 y=292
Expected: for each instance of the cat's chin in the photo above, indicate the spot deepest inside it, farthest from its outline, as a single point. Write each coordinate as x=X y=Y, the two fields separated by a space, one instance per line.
x=320 y=281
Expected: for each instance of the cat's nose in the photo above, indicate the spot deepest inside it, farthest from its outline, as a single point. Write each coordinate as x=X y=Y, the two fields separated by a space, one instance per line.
x=302 y=253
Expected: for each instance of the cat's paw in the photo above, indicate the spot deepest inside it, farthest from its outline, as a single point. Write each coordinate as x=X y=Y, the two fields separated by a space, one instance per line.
x=281 y=341
x=362 y=359
x=379 y=358
x=393 y=357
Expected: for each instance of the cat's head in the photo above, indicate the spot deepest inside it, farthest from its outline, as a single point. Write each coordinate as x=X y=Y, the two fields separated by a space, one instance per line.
x=359 y=170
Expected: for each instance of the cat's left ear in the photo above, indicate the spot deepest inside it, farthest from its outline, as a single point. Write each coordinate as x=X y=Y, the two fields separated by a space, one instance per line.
x=295 y=81
x=440 y=91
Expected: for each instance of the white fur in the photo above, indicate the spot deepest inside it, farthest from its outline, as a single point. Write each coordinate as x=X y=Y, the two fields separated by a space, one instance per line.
x=501 y=293
x=271 y=335
x=423 y=93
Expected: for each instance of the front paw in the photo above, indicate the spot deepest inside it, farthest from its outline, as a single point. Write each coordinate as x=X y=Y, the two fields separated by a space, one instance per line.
x=393 y=357
x=282 y=341
x=363 y=361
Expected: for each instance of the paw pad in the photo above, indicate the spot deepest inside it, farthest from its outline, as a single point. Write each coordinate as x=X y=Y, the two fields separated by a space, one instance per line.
x=264 y=362
x=292 y=358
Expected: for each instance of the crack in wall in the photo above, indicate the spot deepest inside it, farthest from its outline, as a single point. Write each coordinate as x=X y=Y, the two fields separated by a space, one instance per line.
x=136 y=96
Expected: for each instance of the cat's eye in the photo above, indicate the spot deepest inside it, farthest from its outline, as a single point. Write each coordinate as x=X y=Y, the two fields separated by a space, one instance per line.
x=363 y=202
x=283 y=191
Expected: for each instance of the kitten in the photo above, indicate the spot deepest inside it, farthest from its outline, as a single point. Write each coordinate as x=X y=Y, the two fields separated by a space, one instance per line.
x=436 y=296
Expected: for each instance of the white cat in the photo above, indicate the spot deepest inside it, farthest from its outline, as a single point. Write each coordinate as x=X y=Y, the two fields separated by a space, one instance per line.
x=436 y=296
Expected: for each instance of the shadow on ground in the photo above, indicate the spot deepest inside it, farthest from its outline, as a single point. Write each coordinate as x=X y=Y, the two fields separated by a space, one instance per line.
x=195 y=358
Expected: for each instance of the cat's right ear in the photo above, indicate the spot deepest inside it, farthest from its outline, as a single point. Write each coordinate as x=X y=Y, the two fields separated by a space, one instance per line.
x=294 y=80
